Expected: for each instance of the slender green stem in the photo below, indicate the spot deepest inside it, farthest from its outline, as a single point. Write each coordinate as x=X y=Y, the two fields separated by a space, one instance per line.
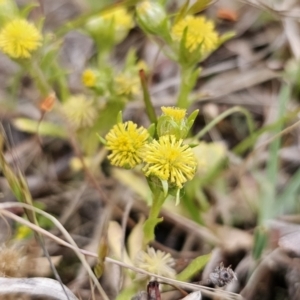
x=149 y=226
x=222 y=116
x=184 y=88
x=40 y=79
x=182 y=100
x=147 y=100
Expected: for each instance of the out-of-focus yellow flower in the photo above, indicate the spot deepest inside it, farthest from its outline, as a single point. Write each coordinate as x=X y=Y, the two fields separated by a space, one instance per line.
x=111 y=26
x=170 y=160
x=142 y=65
x=156 y=262
x=208 y=156
x=122 y=19
x=19 y=38
x=76 y=164
x=22 y=232
x=79 y=111
x=127 y=143
x=127 y=85
x=89 y=78
x=176 y=113
x=200 y=33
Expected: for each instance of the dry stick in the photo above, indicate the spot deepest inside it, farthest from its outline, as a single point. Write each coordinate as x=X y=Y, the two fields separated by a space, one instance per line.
x=36 y=228
x=72 y=245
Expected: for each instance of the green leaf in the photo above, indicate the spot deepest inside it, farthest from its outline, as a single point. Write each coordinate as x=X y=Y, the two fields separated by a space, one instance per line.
x=194 y=267
x=182 y=11
x=102 y=253
x=151 y=130
x=102 y=140
x=226 y=36
x=199 y=6
x=43 y=128
x=192 y=117
x=260 y=242
x=127 y=293
x=120 y=117
x=147 y=99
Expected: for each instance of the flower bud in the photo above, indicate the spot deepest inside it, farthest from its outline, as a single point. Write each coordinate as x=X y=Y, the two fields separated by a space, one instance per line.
x=8 y=11
x=173 y=122
x=152 y=17
x=110 y=27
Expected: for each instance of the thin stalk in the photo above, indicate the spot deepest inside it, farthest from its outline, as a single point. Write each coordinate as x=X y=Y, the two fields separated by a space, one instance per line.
x=222 y=116
x=184 y=89
x=147 y=100
x=158 y=199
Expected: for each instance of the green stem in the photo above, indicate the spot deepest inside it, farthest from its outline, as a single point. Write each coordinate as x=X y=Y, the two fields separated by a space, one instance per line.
x=149 y=226
x=147 y=100
x=222 y=116
x=40 y=79
x=184 y=89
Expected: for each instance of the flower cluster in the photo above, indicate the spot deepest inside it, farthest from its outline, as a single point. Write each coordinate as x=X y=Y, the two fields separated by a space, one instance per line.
x=166 y=157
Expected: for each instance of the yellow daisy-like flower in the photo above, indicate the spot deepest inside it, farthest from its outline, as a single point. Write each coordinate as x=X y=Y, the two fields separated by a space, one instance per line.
x=127 y=143
x=127 y=85
x=89 y=78
x=176 y=113
x=19 y=39
x=80 y=111
x=170 y=160
x=200 y=32
x=156 y=262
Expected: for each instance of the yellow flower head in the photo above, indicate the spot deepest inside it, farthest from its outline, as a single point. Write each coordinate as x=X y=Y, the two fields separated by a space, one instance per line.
x=127 y=143
x=170 y=160
x=122 y=19
x=89 y=78
x=200 y=33
x=127 y=85
x=19 y=38
x=80 y=111
x=156 y=262
x=176 y=113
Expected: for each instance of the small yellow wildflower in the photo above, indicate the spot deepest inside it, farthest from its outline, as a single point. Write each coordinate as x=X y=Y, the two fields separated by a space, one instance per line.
x=127 y=143
x=156 y=262
x=19 y=38
x=76 y=163
x=23 y=232
x=89 y=78
x=176 y=113
x=200 y=33
x=170 y=160
x=121 y=17
x=80 y=111
x=127 y=85
x=142 y=65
